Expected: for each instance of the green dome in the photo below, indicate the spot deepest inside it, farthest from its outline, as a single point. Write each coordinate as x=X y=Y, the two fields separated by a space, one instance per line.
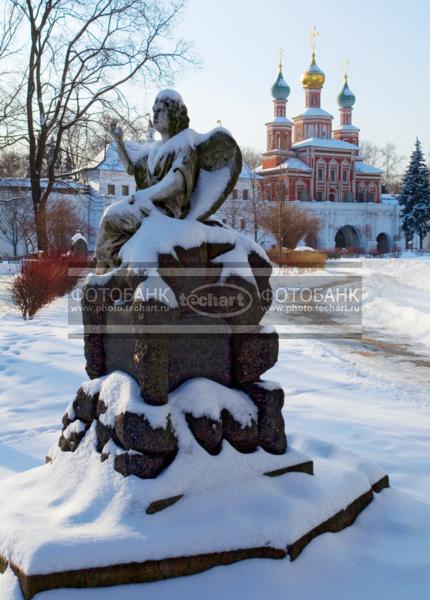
x=280 y=89
x=346 y=98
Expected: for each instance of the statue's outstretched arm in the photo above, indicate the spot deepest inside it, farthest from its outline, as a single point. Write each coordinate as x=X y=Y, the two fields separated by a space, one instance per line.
x=122 y=151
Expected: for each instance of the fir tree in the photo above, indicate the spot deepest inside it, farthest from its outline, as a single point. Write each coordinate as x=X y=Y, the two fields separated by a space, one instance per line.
x=415 y=196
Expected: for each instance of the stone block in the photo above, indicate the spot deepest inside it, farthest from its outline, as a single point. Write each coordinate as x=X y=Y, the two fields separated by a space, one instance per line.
x=101 y=408
x=201 y=349
x=253 y=355
x=145 y=466
x=95 y=305
x=187 y=271
x=207 y=432
x=66 y=420
x=243 y=439
x=271 y=426
x=104 y=434
x=262 y=270
x=249 y=309
x=72 y=441
x=150 y=359
x=85 y=405
x=150 y=367
x=136 y=433
x=160 y=364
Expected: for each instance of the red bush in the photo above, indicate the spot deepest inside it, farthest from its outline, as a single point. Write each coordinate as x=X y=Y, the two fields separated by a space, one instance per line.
x=35 y=286
x=41 y=280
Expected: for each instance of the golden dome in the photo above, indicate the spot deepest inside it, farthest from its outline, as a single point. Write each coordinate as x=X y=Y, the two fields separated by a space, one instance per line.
x=313 y=77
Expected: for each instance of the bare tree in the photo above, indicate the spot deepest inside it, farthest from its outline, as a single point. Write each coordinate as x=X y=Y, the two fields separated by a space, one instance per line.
x=371 y=153
x=63 y=220
x=79 y=55
x=252 y=160
x=13 y=164
x=392 y=164
x=29 y=231
x=233 y=211
x=292 y=221
x=91 y=136
x=387 y=159
x=14 y=221
x=11 y=83
x=251 y=157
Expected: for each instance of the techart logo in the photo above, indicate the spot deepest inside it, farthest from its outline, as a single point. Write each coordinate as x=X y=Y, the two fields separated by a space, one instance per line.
x=218 y=300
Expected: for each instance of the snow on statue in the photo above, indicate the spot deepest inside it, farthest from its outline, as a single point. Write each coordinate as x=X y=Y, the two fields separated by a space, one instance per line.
x=169 y=175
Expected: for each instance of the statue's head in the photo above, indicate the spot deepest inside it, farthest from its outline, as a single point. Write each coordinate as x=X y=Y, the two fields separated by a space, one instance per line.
x=170 y=113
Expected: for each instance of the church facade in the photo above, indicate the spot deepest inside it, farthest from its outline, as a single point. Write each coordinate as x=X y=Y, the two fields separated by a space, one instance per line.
x=313 y=162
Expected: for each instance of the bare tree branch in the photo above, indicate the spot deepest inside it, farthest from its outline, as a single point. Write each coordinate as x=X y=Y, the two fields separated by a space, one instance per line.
x=79 y=56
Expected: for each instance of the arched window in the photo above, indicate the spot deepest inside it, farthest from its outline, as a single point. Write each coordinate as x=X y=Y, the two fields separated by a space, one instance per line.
x=361 y=193
x=333 y=171
x=345 y=171
x=300 y=191
x=320 y=171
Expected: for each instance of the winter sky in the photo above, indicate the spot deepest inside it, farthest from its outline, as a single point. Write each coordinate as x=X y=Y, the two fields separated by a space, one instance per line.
x=386 y=42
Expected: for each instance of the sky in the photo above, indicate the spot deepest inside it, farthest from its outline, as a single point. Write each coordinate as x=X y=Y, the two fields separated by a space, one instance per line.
x=386 y=42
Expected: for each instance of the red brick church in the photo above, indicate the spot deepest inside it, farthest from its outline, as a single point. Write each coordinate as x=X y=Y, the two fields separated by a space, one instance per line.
x=306 y=159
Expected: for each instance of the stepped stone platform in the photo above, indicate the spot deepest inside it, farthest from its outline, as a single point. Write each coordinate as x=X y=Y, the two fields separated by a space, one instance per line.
x=89 y=528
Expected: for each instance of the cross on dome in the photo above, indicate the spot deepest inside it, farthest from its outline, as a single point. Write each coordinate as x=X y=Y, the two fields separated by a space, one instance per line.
x=346 y=98
x=346 y=63
x=280 y=89
x=313 y=77
x=281 y=56
x=314 y=35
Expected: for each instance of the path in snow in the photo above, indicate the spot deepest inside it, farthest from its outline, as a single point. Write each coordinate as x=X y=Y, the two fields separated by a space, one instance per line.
x=370 y=394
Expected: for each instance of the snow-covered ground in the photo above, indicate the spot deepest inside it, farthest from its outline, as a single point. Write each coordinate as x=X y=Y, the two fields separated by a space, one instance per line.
x=397 y=298
x=7 y=270
x=371 y=397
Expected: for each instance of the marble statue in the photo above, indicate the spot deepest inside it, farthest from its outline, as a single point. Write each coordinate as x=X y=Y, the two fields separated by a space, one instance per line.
x=167 y=173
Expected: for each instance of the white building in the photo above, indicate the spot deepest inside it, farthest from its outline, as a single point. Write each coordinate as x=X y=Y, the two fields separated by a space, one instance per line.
x=14 y=189
x=106 y=176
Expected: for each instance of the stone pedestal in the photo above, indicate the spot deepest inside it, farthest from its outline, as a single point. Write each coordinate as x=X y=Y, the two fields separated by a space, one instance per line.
x=194 y=314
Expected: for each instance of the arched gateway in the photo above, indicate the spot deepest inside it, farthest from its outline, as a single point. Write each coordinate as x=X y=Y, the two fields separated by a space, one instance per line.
x=383 y=243
x=347 y=237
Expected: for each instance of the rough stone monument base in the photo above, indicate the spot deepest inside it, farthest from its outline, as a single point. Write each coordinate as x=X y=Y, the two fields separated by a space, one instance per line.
x=77 y=522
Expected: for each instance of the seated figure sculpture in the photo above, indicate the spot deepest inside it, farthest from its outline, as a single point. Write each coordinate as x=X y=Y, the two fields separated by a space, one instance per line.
x=166 y=173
